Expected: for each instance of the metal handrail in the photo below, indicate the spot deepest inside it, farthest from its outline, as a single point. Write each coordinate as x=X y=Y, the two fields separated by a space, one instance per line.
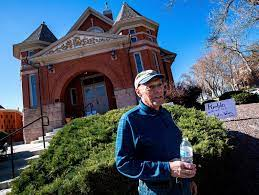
x=91 y=107
x=11 y=136
x=26 y=126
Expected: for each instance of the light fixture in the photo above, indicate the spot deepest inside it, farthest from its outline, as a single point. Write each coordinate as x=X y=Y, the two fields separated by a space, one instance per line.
x=113 y=53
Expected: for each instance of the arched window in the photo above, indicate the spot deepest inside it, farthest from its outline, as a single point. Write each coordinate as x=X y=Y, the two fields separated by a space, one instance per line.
x=95 y=29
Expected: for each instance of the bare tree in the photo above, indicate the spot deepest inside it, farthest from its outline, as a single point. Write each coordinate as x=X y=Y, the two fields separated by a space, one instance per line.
x=233 y=17
x=208 y=73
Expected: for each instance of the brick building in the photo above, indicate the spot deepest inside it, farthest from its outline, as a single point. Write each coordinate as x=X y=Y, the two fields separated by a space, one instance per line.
x=11 y=120
x=91 y=68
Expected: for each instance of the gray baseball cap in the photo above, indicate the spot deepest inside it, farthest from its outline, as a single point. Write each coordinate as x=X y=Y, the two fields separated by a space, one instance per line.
x=145 y=76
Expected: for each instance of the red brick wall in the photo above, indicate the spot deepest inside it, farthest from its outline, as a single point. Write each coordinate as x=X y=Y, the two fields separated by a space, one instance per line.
x=96 y=22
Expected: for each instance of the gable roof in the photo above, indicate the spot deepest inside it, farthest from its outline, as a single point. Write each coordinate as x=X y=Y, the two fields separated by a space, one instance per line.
x=42 y=33
x=127 y=13
x=1 y=107
x=130 y=17
x=85 y=15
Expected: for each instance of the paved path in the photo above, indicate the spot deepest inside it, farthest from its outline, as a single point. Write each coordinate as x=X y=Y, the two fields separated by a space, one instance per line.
x=244 y=132
x=22 y=154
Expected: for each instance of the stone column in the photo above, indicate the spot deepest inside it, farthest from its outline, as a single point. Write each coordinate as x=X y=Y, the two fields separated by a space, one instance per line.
x=56 y=115
x=125 y=97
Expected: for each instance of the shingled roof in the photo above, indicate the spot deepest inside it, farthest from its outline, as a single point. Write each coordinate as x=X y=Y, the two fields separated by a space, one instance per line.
x=42 y=33
x=127 y=12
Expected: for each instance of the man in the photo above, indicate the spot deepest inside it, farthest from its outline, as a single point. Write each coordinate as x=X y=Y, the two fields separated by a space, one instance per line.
x=148 y=142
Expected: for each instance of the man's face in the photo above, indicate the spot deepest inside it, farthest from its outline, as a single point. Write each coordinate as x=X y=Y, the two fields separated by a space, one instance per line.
x=152 y=93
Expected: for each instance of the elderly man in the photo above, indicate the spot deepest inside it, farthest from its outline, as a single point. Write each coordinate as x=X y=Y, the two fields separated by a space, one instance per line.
x=148 y=143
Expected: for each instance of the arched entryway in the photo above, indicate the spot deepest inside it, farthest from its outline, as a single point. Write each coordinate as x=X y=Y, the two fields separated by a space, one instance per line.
x=89 y=93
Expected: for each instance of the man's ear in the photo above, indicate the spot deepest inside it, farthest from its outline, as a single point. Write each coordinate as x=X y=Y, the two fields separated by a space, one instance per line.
x=138 y=92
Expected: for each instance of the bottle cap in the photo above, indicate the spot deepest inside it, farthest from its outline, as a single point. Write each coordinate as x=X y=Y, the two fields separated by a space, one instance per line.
x=185 y=138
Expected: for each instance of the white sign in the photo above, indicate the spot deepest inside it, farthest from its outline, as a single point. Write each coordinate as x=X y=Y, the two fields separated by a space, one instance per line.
x=221 y=109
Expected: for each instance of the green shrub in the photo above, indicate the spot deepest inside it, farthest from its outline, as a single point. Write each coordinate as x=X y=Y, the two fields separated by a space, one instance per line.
x=240 y=97
x=80 y=158
x=246 y=98
x=229 y=94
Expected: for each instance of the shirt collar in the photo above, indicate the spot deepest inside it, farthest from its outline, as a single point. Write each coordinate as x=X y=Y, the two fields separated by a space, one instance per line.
x=147 y=109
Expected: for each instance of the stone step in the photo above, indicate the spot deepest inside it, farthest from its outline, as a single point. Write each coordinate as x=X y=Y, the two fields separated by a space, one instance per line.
x=5 y=186
x=57 y=129
x=41 y=141
x=50 y=134
x=5 y=191
x=45 y=137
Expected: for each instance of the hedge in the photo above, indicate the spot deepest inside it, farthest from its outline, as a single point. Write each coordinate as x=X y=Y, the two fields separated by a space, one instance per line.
x=80 y=158
x=240 y=97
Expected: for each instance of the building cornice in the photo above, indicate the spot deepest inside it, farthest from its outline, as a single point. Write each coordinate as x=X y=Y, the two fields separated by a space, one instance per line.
x=132 y=23
x=145 y=47
x=82 y=52
x=28 y=45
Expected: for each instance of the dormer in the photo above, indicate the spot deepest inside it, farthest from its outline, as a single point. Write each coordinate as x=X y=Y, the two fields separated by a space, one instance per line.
x=130 y=22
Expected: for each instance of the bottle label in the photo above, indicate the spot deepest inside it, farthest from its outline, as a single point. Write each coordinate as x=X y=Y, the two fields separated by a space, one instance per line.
x=185 y=153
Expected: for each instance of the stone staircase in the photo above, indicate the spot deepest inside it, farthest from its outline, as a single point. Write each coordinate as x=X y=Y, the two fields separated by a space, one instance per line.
x=47 y=137
x=23 y=153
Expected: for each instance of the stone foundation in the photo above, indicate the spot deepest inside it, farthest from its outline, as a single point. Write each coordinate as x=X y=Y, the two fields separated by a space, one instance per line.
x=125 y=97
x=55 y=112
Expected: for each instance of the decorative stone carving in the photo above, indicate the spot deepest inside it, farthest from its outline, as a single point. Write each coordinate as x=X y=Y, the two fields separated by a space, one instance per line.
x=128 y=14
x=78 y=41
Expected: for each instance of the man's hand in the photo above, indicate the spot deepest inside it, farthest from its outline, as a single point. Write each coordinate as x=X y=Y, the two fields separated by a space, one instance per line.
x=193 y=187
x=182 y=169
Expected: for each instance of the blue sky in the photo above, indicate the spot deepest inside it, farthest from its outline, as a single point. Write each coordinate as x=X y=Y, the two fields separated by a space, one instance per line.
x=183 y=30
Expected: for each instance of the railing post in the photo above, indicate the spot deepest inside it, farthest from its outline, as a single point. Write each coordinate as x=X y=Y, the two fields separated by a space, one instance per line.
x=12 y=157
x=41 y=112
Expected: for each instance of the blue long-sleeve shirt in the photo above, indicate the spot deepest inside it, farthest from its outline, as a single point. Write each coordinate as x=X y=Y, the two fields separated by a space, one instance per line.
x=147 y=140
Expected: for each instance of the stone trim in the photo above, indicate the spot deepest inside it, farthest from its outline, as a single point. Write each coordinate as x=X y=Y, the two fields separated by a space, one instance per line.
x=133 y=23
x=29 y=72
x=55 y=112
x=78 y=33
x=125 y=97
x=77 y=53
x=138 y=49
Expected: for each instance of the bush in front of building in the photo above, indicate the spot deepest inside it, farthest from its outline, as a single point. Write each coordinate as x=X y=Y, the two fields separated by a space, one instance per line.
x=246 y=98
x=240 y=97
x=80 y=158
x=229 y=94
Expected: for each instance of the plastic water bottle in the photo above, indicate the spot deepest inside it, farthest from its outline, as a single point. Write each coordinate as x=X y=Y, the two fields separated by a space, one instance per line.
x=186 y=152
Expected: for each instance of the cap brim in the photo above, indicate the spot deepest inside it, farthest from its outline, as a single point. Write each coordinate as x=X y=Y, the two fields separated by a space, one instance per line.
x=145 y=80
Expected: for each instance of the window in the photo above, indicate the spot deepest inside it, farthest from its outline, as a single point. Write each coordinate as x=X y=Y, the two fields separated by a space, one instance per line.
x=95 y=29
x=31 y=53
x=151 y=39
x=138 y=62
x=33 y=91
x=132 y=31
x=156 y=61
x=73 y=96
x=149 y=32
x=134 y=39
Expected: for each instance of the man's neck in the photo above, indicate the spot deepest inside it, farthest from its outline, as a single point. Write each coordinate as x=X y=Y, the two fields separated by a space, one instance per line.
x=155 y=107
